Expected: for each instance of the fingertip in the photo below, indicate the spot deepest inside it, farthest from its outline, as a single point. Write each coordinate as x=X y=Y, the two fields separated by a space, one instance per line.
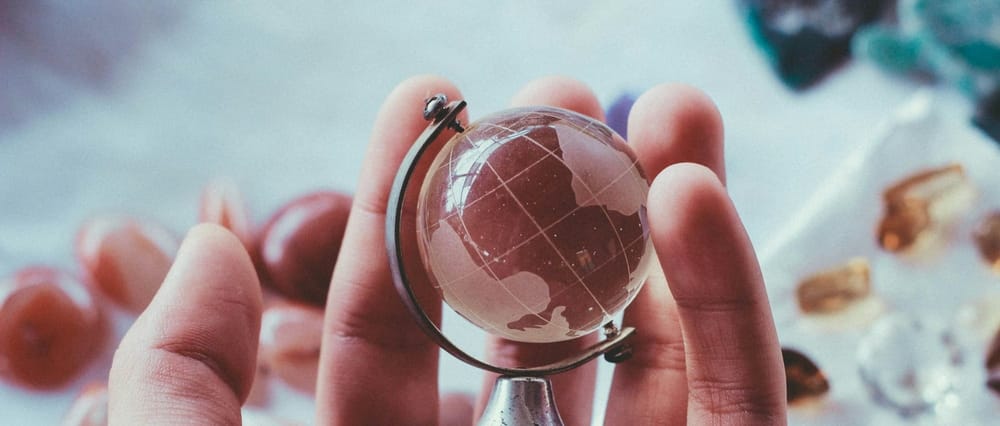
x=222 y=258
x=197 y=340
x=411 y=94
x=683 y=184
x=673 y=123
x=562 y=92
x=696 y=229
x=732 y=354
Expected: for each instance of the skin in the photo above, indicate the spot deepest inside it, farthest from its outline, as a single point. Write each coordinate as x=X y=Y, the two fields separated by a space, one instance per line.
x=707 y=352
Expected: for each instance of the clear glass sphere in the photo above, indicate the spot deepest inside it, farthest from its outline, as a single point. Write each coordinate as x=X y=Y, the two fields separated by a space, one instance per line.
x=532 y=224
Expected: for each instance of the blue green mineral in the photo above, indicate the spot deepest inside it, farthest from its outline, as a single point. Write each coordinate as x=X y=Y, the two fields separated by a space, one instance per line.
x=956 y=42
x=806 y=39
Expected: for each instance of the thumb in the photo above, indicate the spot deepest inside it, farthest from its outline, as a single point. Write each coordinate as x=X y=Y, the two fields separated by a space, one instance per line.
x=190 y=357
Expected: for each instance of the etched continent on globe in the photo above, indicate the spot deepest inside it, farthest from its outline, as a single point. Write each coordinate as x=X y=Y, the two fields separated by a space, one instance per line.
x=532 y=224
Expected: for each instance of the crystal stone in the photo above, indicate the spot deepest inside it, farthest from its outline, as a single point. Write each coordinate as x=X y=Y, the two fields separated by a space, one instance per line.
x=532 y=224
x=805 y=380
x=955 y=41
x=993 y=364
x=618 y=112
x=299 y=245
x=908 y=365
x=987 y=237
x=987 y=116
x=834 y=289
x=806 y=39
x=51 y=327
x=921 y=206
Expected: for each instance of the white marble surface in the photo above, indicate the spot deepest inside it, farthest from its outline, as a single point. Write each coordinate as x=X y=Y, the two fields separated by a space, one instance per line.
x=118 y=107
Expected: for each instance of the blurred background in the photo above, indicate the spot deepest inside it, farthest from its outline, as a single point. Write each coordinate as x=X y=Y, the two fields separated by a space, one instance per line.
x=111 y=106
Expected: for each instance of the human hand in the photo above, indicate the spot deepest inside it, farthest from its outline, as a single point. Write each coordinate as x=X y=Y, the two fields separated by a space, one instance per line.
x=706 y=351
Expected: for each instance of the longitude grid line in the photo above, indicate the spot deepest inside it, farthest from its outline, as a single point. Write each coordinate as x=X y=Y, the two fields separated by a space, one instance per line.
x=553 y=245
x=526 y=241
x=584 y=129
x=486 y=265
x=606 y=262
x=451 y=156
x=487 y=193
x=621 y=245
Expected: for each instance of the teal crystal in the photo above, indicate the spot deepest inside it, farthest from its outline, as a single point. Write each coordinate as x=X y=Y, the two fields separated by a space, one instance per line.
x=804 y=40
x=956 y=42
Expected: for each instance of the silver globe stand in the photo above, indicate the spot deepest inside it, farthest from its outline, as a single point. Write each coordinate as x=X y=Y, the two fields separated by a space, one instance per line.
x=521 y=395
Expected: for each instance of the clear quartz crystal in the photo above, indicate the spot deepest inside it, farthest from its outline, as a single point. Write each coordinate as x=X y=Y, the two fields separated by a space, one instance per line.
x=835 y=289
x=908 y=365
x=920 y=207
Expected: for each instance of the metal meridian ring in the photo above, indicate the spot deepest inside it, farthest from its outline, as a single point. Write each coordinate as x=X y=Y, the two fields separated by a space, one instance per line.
x=442 y=120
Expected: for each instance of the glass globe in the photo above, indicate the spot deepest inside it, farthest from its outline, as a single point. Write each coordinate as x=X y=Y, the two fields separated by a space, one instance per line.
x=532 y=224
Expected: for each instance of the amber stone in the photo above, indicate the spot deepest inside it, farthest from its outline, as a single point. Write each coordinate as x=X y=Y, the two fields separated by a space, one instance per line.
x=90 y=408
x=51 y=327
x=834 y=289
x=921 y=206
x=290 y=337
x=987 y=237
x=532 y=224
x=993 y=364
x=125 y=258
x=804 y=379
x=299 y=245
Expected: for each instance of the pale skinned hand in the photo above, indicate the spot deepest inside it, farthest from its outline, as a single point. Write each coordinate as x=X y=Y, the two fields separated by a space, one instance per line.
x=706 y=351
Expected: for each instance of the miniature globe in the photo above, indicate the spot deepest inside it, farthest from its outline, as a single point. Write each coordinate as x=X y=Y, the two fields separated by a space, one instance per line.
x=532 y=224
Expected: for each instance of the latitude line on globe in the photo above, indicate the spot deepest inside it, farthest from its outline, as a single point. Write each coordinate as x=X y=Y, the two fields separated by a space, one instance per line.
x=486 y=265
x=598 y=268
x=527 y=240
x=487 y=193
x=552 y=245
x=593 y=196
x=450 y=165
x=584 y=130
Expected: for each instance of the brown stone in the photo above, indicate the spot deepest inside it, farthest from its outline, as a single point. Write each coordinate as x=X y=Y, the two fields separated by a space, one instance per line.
x=804 y=379
x=51 y=328
x=125 y=258
x=921 y=206
x=987 y=237
x=299 y=245
x=835 y=289
x=993 y=364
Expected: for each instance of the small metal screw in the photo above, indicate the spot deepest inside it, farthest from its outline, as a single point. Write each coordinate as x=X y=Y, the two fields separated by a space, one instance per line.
x=611 y=330
x=435 y=106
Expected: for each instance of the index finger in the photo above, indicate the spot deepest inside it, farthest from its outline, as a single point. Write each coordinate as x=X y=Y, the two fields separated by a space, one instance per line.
x=376 y=364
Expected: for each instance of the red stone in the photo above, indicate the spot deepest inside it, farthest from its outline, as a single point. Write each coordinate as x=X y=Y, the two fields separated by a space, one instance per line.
x=290 y=337
x=299 y=245
x=125 y=258
x=51 y=327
